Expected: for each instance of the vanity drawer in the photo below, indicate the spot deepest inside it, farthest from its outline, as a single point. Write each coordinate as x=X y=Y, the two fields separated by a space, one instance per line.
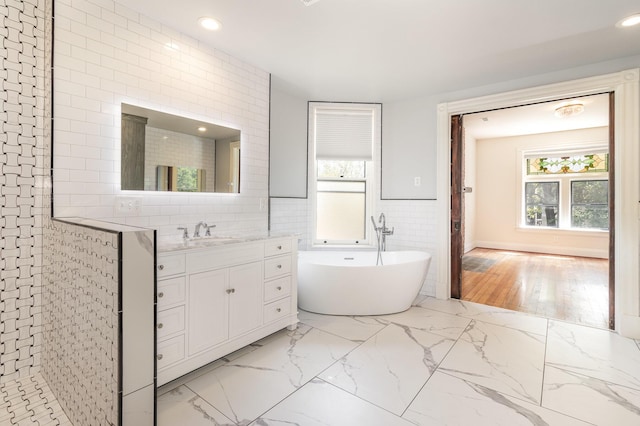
x=274 y=248
x=276 y=289
x=171 y=292
x=170 y=351
x=277 y=266
x=276 y=310
x=170 y=321
x=171 y=265
x=221 y=257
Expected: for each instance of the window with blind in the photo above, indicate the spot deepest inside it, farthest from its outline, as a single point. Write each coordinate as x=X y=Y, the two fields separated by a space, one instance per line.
x=341 y=162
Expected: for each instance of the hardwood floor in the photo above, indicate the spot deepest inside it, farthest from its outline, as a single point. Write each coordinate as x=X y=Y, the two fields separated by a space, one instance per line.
x=574 y=289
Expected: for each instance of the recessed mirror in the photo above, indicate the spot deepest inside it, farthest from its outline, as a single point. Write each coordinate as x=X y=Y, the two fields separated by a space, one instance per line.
x=165 y=152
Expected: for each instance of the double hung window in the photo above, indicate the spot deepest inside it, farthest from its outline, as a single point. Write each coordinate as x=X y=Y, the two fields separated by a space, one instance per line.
x=342 y=137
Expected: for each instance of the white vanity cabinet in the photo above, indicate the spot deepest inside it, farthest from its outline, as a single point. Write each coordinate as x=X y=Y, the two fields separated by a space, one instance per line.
x=223 y=304
x=214 y=300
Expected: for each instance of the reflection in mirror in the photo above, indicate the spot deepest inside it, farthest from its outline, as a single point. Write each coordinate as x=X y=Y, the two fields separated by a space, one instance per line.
x=165 y=152
x=183 y=179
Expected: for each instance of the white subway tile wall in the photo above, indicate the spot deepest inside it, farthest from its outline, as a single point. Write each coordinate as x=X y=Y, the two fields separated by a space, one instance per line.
x=413 y=220
x=106 y=54
x=415 y=229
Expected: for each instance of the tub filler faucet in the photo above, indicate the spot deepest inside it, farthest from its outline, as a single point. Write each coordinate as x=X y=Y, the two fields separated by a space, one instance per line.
x=381 y=235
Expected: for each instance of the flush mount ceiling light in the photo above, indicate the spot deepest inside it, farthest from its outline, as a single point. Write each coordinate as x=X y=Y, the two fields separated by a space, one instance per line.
x=202 y=129
x=569 y=110
x=309 y=2
x=629 y=21
x=209 y=23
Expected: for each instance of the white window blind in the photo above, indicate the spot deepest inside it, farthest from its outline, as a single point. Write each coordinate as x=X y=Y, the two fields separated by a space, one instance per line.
x=344 y=134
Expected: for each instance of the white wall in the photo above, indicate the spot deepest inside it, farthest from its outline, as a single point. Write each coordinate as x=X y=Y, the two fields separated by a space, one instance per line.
x=288 y=146
x=106 y=54
x=470 y=198
x=408 y=150
x=498 y=189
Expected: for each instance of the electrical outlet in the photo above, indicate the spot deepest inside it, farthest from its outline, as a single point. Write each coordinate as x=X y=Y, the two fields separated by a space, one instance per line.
x=417 y=181
x=128 y=205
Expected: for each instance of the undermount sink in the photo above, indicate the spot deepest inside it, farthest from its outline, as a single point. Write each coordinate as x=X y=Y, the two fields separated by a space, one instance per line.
x=204 y=241
x=198 y=242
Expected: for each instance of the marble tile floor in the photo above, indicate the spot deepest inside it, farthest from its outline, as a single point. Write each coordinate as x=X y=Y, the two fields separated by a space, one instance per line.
x=439 y=363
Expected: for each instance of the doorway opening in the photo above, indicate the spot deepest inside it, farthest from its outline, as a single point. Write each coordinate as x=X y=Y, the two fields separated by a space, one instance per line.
x=525 y=234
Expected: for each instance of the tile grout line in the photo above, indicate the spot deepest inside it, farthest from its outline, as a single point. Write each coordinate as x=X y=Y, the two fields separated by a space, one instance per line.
x=437 y=369
x=322 y=371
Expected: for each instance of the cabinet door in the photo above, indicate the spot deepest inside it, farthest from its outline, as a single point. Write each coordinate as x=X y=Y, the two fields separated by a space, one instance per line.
x=245 y=301
x=208 y=309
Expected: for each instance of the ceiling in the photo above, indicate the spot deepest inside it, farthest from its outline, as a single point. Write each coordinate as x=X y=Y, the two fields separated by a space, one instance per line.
x=537 y=118
x=384 y=50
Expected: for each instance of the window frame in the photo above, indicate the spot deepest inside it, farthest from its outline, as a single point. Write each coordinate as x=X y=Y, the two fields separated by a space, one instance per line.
x=572 y=204
x=563 y=216
x=370 y=179
x=558 y=204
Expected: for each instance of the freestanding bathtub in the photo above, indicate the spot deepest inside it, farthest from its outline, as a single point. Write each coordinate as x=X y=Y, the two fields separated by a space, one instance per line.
x=350 y=283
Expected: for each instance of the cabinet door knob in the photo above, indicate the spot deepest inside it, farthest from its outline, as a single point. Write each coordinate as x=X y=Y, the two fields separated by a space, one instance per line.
x=279 y=266
x=279 y=310
x=231 y=290
x=159 y=357
x=161 y=267
x=279 y=247
x=278 y=288
x=161 y=294
x=160 y=325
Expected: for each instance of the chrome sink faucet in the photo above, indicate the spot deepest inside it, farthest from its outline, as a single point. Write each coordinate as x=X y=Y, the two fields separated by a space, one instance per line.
x=185 y=232
x=200 y=224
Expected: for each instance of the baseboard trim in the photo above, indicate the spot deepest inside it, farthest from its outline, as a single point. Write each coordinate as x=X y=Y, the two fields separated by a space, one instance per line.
x=540 y=248
x=629 y=326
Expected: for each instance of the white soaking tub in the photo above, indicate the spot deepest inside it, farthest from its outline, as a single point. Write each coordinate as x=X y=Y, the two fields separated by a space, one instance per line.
x=350 y=283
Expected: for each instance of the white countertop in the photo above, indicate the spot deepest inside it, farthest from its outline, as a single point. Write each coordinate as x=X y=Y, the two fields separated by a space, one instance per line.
x=173 y=245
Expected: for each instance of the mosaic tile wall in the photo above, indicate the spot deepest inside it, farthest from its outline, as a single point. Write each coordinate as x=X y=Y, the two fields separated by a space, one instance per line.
x=21 y=104
x=80 y=322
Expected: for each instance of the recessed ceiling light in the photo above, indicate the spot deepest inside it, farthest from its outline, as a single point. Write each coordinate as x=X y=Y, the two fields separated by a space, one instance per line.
x=202 y=129
x=629 y=21
x=210 y=24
